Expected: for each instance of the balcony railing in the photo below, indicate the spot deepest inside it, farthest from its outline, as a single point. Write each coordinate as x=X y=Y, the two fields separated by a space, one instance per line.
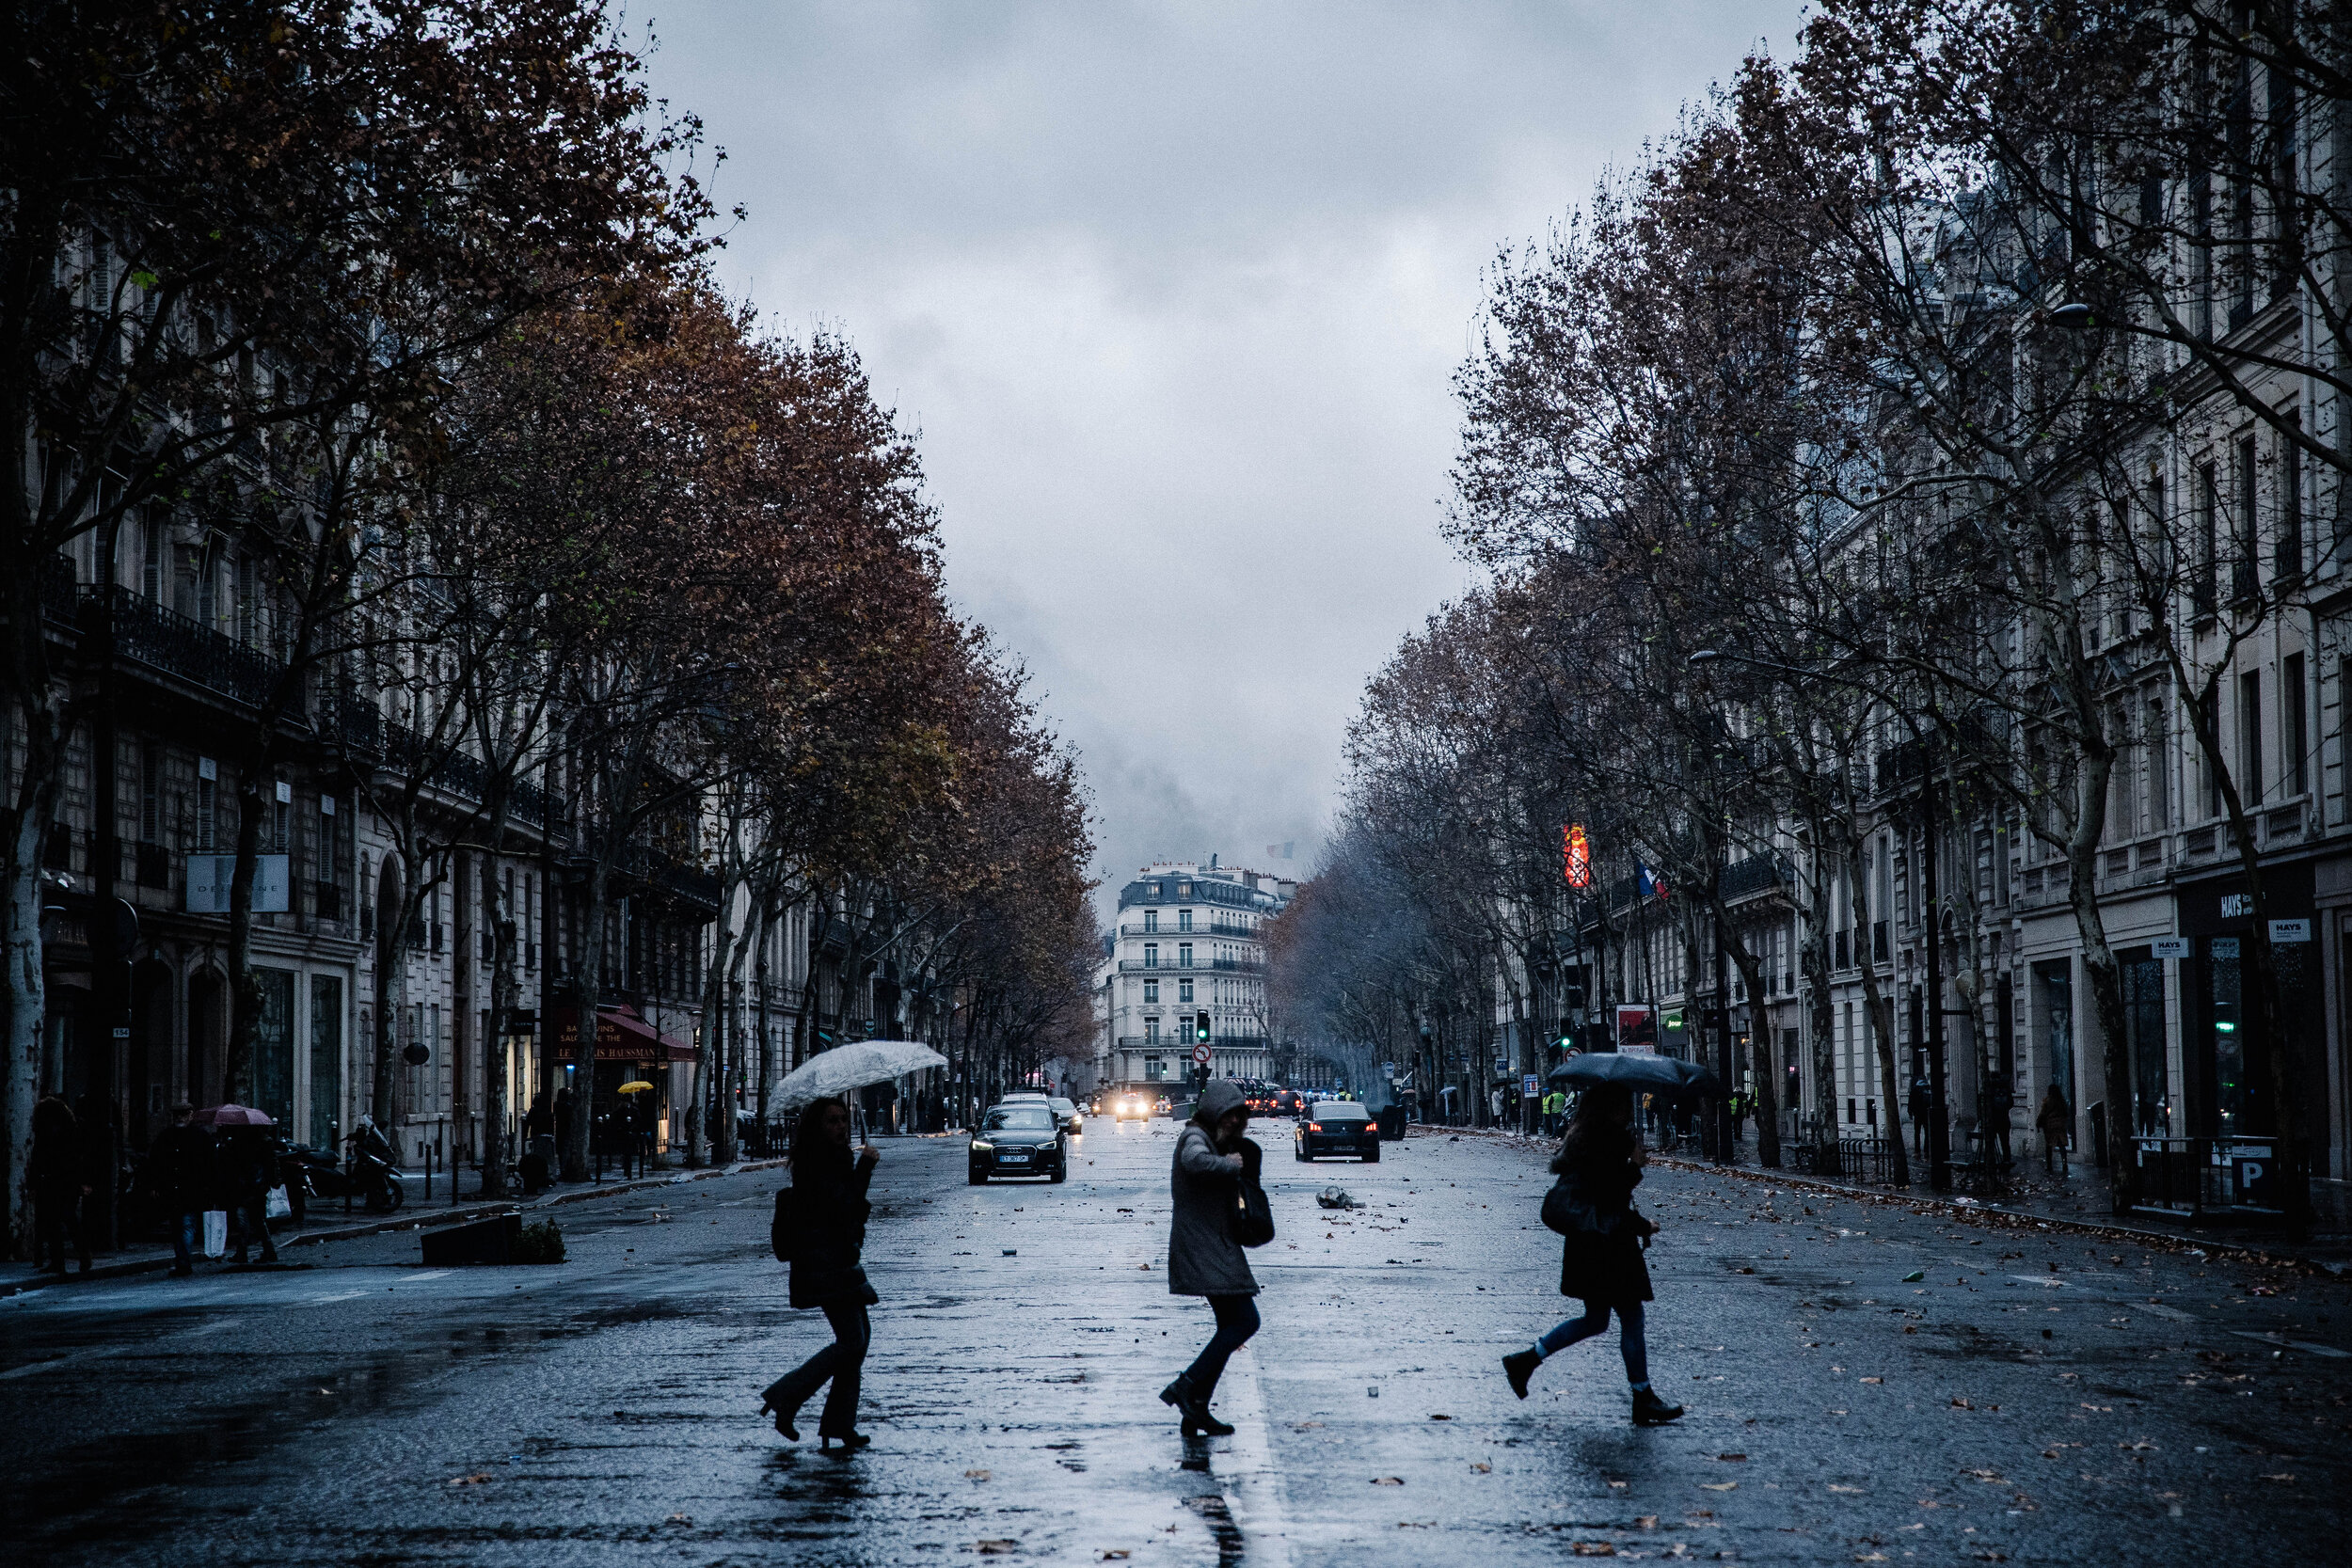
x=174 y=644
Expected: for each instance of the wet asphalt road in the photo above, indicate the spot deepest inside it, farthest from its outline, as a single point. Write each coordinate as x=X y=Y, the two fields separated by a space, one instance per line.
x=2043 y=1398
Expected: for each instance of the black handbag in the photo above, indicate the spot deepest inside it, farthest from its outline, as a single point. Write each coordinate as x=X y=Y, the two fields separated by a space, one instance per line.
x=1566 y=1211
x=1251 y=1216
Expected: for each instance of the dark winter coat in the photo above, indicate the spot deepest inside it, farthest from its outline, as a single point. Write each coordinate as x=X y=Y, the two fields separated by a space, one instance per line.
x=1605 y=1269
x=56 y=1161
x=829 y=1187
x=2056 y=1118
x=1203 y=1259
x=179 y=1169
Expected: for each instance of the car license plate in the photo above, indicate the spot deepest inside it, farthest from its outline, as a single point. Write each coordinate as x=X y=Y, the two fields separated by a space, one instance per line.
x=1014 y=1159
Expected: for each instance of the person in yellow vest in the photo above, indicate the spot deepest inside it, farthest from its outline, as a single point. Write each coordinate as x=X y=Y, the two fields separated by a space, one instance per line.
x=1556 y=1110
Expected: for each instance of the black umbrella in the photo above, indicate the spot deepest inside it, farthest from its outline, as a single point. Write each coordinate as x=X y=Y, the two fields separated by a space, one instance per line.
x=1636 y=1070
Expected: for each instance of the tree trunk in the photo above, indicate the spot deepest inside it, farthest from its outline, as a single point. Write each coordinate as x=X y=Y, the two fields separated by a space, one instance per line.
x=1759 y=1051
x=710 y=1051
x=244 y=986
x=585 y=987
x=505 y=997
x=1878 y=1014
x=391 y=973
x=1813 y=954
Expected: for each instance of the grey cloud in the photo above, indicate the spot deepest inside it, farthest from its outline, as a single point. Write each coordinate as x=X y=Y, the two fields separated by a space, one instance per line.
x=1173 y=293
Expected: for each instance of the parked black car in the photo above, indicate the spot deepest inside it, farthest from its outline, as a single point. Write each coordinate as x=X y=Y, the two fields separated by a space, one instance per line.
x=1022 y=1138
x=1337 y=1127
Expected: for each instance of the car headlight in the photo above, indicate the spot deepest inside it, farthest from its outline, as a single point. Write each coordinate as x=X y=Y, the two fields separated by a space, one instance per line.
x=980 y=1146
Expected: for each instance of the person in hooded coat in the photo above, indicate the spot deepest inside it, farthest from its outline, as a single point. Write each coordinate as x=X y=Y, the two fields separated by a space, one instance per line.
x=1603 y=1267
x=1203 y=1259
x=827 y=1274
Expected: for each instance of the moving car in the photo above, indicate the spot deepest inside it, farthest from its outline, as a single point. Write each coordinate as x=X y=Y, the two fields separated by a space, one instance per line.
x=1289 y=1103
x=1068 y=1111
x=1019 y=1137
x=1130 y=1107
x=1337 y=1127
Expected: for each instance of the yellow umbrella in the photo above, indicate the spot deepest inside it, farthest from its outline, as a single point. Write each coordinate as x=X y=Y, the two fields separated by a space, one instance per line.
x=637 y=1087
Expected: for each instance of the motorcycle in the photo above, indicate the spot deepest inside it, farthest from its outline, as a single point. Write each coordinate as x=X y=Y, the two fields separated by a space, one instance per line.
x=367 y=1175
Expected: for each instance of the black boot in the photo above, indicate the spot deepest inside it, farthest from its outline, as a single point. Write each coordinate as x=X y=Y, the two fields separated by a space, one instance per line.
x=1194 y=1409
x=1651 y=1411
x=1519 y=1366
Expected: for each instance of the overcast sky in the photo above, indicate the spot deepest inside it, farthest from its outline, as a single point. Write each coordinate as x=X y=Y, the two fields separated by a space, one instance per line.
x=1172 y=293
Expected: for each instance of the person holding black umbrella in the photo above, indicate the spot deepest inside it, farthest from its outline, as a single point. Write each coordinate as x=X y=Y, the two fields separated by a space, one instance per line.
x=1599 y=1163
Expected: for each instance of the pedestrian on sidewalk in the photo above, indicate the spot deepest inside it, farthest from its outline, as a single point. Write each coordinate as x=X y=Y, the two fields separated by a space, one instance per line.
x=830 y=1189
x=1922 y=1100
x=57 y=1170
x=2057 y=1121
x=179 y=1179
x=249 y=1169
x=1203 y=1259
x=1601 y=1265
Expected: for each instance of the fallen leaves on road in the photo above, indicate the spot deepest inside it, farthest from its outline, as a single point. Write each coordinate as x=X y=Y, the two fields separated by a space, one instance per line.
x=1619 y=1485
x=1592 y=1548
x=976 y=1475
x=1645 y=1521
x=1874 y=1380
x=1990 y=1477
x=2278 y=1477
x=677 y=1519
x=1834 y=1487
x=997 y=1548
x=1388 y=1480
x=1483 y=1468
x=1961 y=1404
x=469 y=1480
x=1121 y=1554
x=1915 y=1277
x=1732 y=1458
x=1719 y=1486
x=1440 y=1418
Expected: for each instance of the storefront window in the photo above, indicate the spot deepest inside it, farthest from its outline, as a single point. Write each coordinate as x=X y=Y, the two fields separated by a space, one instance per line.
x=327 y=1055
x=273 y=1045
x=2054 y=1005
x=2233 y=1095
x=2143 y=1027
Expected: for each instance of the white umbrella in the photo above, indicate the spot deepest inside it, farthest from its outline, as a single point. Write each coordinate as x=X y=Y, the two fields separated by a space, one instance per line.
x=831 y=1073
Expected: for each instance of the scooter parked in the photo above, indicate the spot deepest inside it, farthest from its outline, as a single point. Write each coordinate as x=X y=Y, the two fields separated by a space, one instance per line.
x=367 y=1175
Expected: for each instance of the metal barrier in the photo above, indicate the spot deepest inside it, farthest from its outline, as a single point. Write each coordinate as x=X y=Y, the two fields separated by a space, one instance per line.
x=2188 y=1175
x=1865 y=1160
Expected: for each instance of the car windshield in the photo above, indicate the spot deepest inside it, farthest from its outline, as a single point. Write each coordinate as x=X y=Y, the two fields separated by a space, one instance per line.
x=1021 y=1119
x=1065 y=1105
x=1340 y=1110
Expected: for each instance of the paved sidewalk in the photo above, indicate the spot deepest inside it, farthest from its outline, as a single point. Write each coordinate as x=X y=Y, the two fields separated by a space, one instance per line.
x=2078 y=1200
x=332 y=1225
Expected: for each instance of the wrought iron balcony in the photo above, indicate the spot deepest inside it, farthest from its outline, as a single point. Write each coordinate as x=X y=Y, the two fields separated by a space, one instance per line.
x=176 y=644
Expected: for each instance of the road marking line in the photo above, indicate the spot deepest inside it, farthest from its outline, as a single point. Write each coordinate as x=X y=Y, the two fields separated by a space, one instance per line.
x=2173 y=1312
x=339 y=1295
x=101 y=1352
x=429 y=1273
x=1254 y=1493
x=2285 y=1343
x=2041 y=1279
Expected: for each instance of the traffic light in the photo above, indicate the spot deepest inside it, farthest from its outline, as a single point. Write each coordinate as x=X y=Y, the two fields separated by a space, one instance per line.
x=1200 y=1027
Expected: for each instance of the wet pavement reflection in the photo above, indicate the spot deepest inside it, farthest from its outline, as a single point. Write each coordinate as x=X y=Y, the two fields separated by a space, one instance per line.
x=2028 y=1399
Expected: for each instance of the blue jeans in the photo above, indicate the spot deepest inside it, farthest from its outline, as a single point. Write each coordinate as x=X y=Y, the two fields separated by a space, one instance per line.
x=1596 y=1318
x=1236 y=1320
x=187 y=1233
x=841 y=1363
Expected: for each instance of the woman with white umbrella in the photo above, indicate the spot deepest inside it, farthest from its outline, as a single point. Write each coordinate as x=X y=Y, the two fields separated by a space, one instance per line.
x=828 y=1192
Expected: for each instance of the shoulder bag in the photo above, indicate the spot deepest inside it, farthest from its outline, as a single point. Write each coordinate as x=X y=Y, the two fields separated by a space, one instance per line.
x=1252 y=1216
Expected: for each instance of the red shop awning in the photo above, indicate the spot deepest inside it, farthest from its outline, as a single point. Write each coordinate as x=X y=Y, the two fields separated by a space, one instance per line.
x=622 y=1036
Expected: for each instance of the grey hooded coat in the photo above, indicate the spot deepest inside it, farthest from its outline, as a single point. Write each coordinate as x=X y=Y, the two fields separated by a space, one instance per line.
x=1203 y=1259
